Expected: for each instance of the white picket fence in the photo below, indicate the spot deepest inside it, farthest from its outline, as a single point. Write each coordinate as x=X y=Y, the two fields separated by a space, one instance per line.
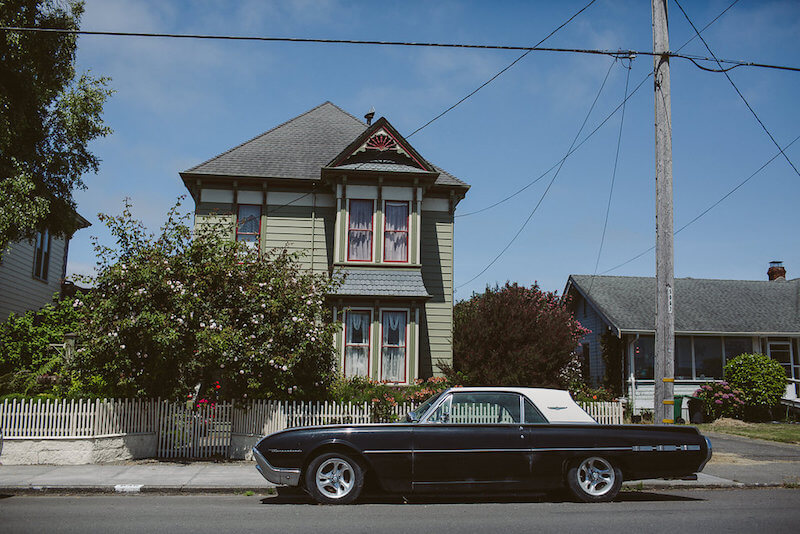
x=200 y=431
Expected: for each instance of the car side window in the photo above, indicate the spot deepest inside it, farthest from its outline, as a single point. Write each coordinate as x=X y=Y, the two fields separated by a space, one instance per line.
x=532 y=413
x=485 y=408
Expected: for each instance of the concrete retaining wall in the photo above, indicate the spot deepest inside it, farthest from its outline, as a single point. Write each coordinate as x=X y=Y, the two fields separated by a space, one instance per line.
x=242 y=446
x=78 y=451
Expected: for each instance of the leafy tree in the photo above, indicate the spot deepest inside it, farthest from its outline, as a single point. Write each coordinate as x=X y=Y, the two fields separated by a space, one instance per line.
x=48 y=115
x=177 y=314
x=28 y=364
x=512 y=335
x=761 y=380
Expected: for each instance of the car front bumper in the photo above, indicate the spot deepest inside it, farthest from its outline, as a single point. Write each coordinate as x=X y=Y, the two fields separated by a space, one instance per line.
x=277 y=475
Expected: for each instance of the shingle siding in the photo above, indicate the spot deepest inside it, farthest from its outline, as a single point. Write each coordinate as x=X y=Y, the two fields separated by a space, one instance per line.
x=19 y=290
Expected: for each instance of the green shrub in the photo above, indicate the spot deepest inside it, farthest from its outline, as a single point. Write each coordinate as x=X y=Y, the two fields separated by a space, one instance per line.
x=761 y=380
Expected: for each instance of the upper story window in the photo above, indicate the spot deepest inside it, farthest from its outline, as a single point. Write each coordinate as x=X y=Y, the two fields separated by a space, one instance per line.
x=41 y=255
x=248 y=225
x=395 y=232
x=359 y=231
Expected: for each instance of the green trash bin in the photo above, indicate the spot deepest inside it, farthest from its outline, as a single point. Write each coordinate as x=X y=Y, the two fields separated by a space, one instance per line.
x=678 y=408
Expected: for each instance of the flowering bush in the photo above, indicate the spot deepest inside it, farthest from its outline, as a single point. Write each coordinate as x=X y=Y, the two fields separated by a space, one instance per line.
x=720 y=400
x=383 y=396
x=194 y=312
x=589 y=394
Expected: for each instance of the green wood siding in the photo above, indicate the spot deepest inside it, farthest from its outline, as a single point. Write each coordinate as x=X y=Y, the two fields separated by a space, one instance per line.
x=436 y=328
x=302 y=229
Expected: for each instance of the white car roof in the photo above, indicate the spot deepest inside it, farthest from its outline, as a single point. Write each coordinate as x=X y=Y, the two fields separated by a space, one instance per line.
x=556 y=405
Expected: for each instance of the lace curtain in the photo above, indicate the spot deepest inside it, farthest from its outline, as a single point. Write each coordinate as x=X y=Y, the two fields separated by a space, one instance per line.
x=395 y=239
x=356 y=344
x=393 y=350
x=360 y=232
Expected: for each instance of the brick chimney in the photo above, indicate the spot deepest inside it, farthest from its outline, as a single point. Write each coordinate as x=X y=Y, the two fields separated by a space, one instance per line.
x=776 y=271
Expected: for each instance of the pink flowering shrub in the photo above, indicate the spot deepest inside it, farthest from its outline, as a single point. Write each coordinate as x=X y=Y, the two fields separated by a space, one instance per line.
x=384 y=396
x=720 y=400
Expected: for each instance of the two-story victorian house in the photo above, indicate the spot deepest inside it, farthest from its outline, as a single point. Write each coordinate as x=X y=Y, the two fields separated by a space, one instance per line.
x=359 y=201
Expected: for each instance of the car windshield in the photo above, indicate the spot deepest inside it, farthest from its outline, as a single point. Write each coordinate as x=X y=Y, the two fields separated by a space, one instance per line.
x=425 y=406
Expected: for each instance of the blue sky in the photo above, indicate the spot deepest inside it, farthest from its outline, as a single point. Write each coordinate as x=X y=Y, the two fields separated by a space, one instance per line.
x=178 y=102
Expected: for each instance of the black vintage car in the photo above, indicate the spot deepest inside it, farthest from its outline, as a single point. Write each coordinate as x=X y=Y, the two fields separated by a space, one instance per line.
x=481 y=439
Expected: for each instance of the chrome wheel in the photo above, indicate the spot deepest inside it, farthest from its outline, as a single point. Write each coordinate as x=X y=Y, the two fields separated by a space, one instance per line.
x=335 y=478
x=596 y=476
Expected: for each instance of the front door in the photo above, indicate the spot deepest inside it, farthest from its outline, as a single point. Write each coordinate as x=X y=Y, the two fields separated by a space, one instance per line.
x=473 y=441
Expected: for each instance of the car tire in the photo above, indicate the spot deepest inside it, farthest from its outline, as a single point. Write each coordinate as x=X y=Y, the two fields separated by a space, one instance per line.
x=594 y=479
x=334 y=478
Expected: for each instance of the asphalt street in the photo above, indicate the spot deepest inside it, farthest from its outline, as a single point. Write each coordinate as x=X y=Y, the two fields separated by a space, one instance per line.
x=739 y=510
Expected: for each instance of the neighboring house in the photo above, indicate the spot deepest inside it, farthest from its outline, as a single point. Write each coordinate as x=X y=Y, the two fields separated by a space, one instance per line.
x=32 y=271
x=715 y=320
x=355 y=199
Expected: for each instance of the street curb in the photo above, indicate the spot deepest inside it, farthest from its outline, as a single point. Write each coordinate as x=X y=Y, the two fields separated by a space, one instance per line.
x=260 y=490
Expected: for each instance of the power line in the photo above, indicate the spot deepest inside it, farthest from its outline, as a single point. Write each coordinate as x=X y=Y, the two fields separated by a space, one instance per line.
x=746 y=103
x=541 y=199
x=545 y=173
x=568 y=154
x=613 y=178
x=493 y=78
x=712 y=206
x=590 y=51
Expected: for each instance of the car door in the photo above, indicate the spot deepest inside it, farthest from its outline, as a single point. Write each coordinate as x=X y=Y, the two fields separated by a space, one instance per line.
x=473 y=440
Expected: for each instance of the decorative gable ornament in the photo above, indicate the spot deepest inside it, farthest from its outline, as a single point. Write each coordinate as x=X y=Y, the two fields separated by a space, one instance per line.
x=382 y=145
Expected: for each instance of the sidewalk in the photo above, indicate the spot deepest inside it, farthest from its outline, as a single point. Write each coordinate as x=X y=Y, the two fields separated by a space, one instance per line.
x=195 y=477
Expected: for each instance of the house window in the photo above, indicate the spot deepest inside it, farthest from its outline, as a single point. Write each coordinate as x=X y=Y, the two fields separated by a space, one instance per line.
x=359 y=231
x=707 y=357
x=395 y=232
x=586 y=369
x=683 y=358
x=356 y=343
x=41 y=256
x=248 y=225
x=643 y=356
x=735 y=346
x=393 y=346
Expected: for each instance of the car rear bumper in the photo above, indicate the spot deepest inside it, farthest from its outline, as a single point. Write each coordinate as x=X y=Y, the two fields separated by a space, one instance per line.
x=708 y=454
x=276 y=475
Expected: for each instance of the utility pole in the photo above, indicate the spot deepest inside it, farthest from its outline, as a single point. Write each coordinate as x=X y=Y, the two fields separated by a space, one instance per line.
x=664 y=368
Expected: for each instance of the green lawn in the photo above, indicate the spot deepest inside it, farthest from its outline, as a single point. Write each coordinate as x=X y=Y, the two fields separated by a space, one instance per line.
x=783 y=432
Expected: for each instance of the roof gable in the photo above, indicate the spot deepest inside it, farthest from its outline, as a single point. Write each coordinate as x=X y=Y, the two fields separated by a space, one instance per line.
x=381 y=145
x=701 y=305
x=299 y=148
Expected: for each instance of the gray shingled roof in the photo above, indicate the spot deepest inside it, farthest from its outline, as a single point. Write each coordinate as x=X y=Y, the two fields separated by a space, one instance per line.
x=383 y=282
x=296 y=149
x=701 y=305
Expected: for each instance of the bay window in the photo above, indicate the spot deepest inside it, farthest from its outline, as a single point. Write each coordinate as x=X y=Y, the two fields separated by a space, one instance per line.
x=356 y=343
x=395 y=232
x=359 y=231
x=393 y=345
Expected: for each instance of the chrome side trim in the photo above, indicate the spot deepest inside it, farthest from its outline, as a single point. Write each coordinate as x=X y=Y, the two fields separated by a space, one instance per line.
x=276 y=475
x=635 y=448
